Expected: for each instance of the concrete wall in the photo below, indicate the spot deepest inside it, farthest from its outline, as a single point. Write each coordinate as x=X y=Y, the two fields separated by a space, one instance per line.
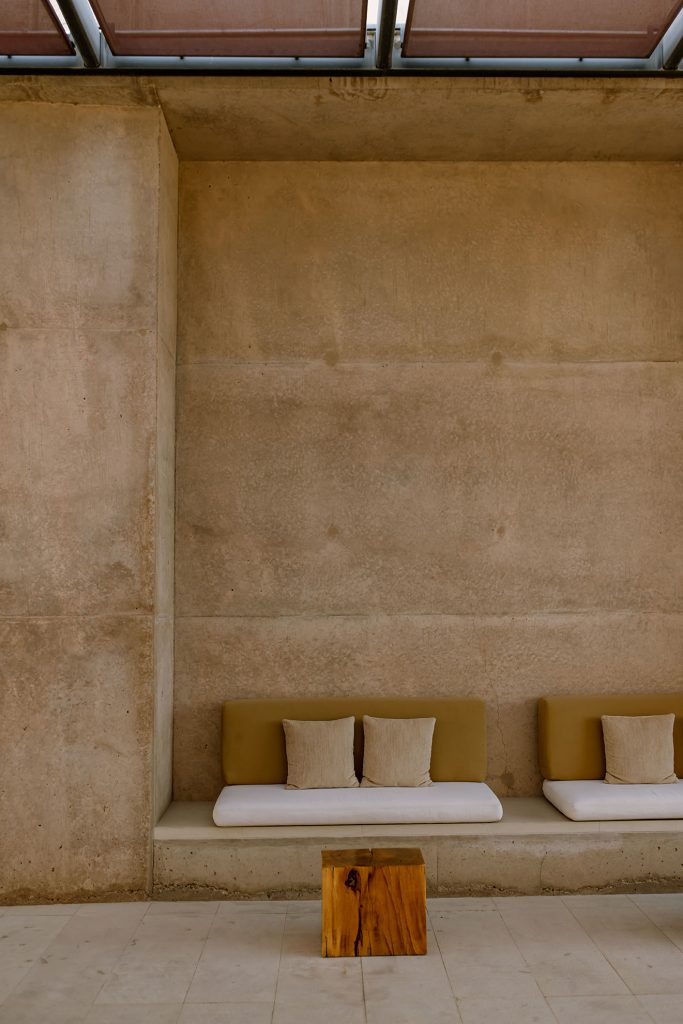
x=87 y=354
x=430 y=439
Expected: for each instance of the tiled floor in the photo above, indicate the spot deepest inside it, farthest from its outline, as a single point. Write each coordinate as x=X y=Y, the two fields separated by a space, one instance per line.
x=566 y=960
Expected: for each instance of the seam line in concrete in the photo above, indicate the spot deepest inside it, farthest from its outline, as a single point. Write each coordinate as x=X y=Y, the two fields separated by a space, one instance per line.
x=320 y=363
x=87 y=615
x=440 y=615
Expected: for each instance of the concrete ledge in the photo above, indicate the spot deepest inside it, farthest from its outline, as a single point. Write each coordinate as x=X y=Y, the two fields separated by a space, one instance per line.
x=533 y=850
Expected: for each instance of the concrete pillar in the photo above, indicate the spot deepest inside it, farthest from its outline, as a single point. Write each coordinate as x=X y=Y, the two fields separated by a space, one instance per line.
x=87 y=380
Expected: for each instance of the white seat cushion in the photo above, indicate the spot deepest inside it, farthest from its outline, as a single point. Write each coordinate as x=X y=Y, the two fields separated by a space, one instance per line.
x=276 y=805
x=595 y=800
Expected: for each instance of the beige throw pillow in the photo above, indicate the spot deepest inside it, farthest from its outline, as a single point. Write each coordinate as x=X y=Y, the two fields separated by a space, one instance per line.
x=320 y=754
x=398 y=751
x=639 y=749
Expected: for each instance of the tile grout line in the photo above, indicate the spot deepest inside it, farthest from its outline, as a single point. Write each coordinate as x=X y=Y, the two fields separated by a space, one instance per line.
x=117 y=960
x=196 y=966
x=279 y=962
x=602 y=952
x=651 y=920
x=525 y=961
x=443 y=964
x=31 y=965
x=644 y=1008
x=362 y=988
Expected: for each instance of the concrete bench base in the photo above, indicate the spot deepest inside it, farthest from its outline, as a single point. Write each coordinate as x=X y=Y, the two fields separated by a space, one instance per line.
x=534 y=850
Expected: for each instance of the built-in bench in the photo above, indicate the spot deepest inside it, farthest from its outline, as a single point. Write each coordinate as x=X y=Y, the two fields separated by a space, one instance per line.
x=534 y=849
x=571 y=756
x=254 y=763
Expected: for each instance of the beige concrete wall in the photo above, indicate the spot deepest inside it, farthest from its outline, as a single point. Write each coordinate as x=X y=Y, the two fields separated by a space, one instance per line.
x=430 y=439
x=86 y=572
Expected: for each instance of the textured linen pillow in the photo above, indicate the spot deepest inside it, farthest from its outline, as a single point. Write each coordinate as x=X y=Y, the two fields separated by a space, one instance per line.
x=320 y=754
x=398 y=751
x=639 y=749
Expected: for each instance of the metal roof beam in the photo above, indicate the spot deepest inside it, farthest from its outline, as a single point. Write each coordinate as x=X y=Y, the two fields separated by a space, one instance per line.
x=672 y=44
x=84 y=30
x=386 y=31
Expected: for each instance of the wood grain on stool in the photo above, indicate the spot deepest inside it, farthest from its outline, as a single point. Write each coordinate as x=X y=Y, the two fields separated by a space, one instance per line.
x=374 y=903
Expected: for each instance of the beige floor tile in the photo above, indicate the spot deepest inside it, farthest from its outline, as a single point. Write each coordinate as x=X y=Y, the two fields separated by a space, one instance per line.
x=404 y=990
x=183 y=907
x=472 y=929
x=534 y=1010
x=520 y=902
x=664 y=903
x=226 y=1013
x=663 y=1009
x=599 y=1010
x=140 y=1013
x=302 y=936
x=481 y=957
x=665 y=910
x=79 y=961
x=303 y=906
x=471 y=979
x=42 y=910
x=240 y=959
x=158 y=964
x=319 y=983
x=456 y=904
x=596 y=901
x=152 y=979
x=20 y=1010
x=305 y=978
x=645 y=958
x=234 y=907
x=562 y=958
x=332 y=1013
x=115 y=911
x=23 y=940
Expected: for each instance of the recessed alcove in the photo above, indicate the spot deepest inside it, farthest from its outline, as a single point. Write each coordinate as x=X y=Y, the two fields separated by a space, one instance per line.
x=420 y=434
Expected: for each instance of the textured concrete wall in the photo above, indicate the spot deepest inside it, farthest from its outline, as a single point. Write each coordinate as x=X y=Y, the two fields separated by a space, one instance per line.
x=86 y=381
x=430 y=439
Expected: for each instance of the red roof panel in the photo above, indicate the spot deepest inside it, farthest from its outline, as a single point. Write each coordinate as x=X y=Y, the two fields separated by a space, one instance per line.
x=536 y=28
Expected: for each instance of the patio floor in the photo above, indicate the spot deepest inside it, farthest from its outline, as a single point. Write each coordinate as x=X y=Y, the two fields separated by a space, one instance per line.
x=597 y=959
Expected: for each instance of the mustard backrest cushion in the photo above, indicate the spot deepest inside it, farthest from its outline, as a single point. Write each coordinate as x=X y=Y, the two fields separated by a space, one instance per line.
x=570 y=740
x=253 y=748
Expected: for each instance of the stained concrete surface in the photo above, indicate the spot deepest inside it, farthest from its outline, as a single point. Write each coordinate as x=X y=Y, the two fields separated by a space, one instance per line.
x=367 y=117
x=429 y=439
x=76 y=714
x=431 y=489
x=77 y=465
x=357 y=118
x=80 y=329
x=508 y=660
x=455 y=866
x=79 y=217
x=408 y=262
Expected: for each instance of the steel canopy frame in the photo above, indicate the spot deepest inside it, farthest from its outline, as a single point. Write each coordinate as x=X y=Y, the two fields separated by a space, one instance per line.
x=382 y=56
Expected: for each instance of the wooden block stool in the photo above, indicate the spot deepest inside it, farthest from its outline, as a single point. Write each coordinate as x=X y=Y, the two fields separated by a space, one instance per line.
x=374 y=903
